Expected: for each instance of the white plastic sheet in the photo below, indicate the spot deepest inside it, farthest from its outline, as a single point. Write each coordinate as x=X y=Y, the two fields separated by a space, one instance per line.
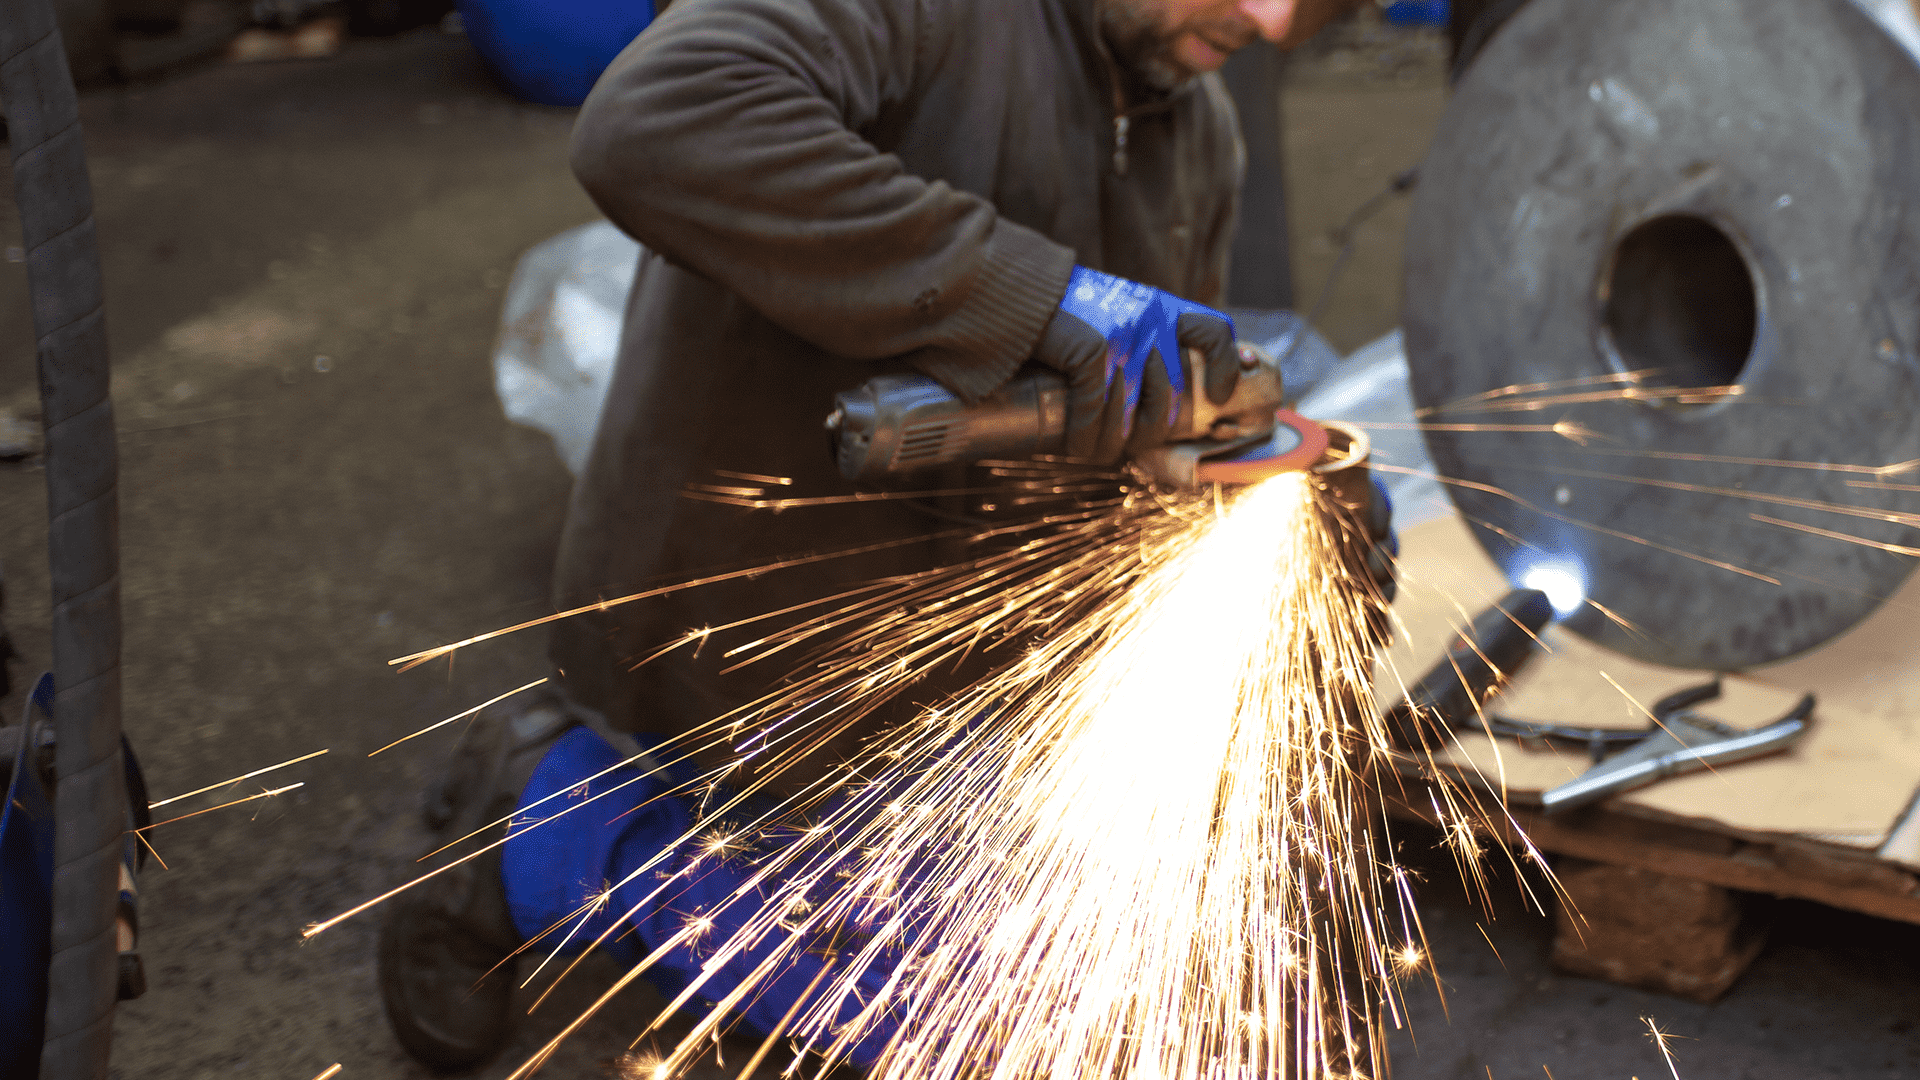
x=560 y=332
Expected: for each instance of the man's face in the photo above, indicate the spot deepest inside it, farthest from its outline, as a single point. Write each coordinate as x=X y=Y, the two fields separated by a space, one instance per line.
x=1170 y=41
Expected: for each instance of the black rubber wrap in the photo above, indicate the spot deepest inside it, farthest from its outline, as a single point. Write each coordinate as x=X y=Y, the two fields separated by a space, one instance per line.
x=63 y=270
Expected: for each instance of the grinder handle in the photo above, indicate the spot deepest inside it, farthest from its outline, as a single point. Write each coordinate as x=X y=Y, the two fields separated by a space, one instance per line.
x=898 y=424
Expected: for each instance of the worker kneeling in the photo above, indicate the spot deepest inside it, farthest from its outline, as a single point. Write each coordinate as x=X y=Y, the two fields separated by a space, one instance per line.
x=825 y=190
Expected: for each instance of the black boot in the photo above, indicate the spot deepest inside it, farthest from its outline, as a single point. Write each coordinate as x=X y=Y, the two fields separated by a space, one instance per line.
x=446 y=945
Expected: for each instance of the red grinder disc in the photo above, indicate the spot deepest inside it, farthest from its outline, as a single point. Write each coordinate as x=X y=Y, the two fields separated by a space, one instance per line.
x=1296 y=443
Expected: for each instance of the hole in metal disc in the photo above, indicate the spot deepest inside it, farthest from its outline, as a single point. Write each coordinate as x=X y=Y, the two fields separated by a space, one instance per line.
x=1680 y=299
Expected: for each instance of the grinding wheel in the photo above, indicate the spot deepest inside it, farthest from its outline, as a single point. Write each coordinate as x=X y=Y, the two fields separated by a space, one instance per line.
x=1724 y=192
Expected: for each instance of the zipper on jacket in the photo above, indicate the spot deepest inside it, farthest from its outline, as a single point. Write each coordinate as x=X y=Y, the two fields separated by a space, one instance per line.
x=1120 y=125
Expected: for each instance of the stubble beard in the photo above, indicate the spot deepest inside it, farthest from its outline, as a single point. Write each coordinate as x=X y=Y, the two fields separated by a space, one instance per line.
x=1141 y=45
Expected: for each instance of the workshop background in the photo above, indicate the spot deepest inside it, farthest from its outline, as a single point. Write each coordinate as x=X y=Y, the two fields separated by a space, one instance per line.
x=305 y=262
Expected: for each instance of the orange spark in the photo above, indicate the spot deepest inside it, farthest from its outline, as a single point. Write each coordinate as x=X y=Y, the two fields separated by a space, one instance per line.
x=1685 y=395
x=1661 y=1039
x=1830 y=534
x=235 y=780
x=461 y=716
x=1571 y=430
x=222 y=806
x=756 y=478
x=413 y=660
x=1588 y=525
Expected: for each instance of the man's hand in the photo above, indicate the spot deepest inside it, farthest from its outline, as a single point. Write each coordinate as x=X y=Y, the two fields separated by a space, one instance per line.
x=1120 y=345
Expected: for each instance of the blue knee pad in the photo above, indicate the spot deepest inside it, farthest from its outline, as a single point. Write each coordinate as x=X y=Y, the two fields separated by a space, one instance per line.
x=554 y=871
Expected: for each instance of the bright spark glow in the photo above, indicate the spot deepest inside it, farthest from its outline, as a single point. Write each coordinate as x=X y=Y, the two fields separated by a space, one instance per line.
x=1409 y=959
x=1662 y=1040
x=646 y=1066
x=1165 y=813
x=1139 y=849
x=1564 y=582
x=722 y=842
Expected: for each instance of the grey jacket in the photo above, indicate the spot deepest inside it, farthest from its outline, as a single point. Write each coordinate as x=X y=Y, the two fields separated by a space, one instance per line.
x=826 y=190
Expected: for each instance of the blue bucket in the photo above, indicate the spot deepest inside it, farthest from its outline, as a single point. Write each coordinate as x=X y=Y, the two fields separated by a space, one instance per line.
x=550 y=52
x=1417 y=13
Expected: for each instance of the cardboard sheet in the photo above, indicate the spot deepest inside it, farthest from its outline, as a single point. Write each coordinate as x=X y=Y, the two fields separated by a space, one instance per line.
x=1850 y=780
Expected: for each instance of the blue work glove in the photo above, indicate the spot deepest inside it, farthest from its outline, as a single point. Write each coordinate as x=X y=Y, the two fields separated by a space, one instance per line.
x=1119 y=343
x=1384 y=553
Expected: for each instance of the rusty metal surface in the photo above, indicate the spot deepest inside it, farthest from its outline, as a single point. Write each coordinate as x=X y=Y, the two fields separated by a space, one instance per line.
x=1790 y=129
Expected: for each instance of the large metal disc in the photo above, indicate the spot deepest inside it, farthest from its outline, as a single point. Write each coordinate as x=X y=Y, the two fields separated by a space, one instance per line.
x=1727 y=191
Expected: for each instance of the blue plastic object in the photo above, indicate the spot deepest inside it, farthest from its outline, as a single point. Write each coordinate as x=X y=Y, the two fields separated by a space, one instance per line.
x=26 y=902
x=1417 y=12
x=577 y=832
x=550 y=52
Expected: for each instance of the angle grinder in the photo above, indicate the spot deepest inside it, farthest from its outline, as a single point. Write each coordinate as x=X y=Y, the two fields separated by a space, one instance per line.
x=899 y=424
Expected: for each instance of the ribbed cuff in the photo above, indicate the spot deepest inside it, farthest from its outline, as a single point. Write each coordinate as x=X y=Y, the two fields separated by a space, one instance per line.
x=1019 y=286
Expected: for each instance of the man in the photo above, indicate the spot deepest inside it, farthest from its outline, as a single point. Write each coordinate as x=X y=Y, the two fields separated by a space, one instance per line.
x=827 y=190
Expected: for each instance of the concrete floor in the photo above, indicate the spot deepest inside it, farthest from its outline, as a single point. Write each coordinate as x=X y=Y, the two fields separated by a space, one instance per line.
x=305 y=263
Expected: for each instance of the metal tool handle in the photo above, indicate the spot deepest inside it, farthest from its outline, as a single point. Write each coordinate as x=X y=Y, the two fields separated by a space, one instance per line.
x=1684 y=743
x=1488 y=654
x=897 y=424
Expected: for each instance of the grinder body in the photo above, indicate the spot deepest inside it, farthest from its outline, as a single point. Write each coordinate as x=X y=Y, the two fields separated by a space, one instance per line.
x=898 y=424
x=895 y=425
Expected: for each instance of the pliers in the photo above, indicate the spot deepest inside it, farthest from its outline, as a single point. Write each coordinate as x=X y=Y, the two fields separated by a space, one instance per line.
x=1679 y=740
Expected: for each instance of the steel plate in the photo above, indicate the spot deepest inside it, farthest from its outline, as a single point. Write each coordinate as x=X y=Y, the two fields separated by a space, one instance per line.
x=1726 y=191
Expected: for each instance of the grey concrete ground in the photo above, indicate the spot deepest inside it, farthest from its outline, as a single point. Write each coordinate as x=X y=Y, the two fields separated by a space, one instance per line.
x=304 y=264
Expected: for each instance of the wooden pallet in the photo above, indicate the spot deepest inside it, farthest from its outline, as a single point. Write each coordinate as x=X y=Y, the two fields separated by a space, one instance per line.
x=1832 y=820
x=1775 y=865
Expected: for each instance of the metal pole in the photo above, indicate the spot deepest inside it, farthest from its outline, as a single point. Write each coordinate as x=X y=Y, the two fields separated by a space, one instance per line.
x=63 y=268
